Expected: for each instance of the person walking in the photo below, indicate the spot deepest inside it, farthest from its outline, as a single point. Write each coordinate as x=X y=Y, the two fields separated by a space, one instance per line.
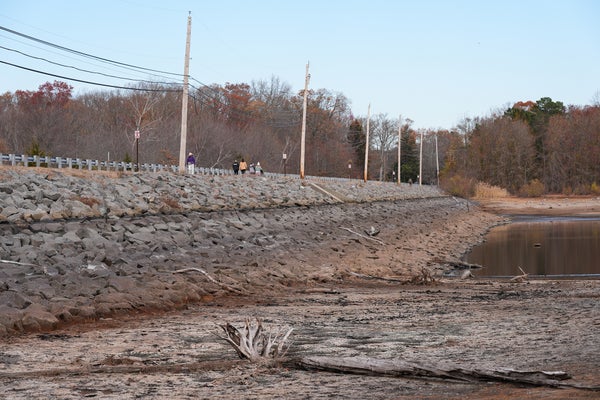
x=243 y=166
x=236 y=167
x=259 y=170
x=191 y=164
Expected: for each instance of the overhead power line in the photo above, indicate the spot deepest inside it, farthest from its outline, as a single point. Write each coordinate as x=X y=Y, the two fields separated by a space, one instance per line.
x=206 y=93
x=102 y=59
x=80 y=53
x=83 y=70
x=89 y=82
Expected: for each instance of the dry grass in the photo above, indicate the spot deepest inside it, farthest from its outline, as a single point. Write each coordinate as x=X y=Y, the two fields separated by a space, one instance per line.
x=485 y=191
x=423 y=278
x=170 y=202
x=88 y=201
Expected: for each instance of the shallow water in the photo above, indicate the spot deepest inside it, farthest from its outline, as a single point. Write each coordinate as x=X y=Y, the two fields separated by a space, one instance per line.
x=541 y=246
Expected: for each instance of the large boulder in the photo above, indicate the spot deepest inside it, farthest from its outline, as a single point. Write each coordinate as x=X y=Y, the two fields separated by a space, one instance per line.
x=37 y=318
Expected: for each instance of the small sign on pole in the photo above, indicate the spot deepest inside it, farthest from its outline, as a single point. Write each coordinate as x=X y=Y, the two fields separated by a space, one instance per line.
x=137 y=134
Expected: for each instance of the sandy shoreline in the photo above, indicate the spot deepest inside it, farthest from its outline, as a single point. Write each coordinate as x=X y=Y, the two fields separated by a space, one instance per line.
x=550 y=205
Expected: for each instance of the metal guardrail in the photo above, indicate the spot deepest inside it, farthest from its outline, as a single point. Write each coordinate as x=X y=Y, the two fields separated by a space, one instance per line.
x=89 y=164
x=97 y=165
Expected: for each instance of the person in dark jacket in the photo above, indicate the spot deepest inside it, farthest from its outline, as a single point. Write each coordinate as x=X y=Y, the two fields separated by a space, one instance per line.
x=191 y=164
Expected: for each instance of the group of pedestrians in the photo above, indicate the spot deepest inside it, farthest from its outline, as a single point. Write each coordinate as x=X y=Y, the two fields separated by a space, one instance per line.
x=242 y=166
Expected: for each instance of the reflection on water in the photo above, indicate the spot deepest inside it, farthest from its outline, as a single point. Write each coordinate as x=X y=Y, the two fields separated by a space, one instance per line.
x=540 y=246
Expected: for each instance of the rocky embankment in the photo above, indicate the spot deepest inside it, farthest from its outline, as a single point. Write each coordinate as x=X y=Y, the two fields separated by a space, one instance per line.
x=78 y=245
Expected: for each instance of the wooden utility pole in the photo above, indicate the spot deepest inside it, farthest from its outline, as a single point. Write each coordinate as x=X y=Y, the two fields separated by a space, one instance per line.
x=437 y=161
x=303 y=139
x=421 y=160
x=399 y=150
x=366 y=172
x=184 y=101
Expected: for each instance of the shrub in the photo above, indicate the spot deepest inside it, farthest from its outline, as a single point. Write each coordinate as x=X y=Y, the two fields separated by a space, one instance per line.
x=458 y=185
x=582 y=189
x=36 y=150
x=534 y=188
x=595 y=188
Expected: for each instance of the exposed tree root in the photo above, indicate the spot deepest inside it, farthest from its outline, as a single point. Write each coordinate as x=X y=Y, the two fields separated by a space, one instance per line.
x=254 y=343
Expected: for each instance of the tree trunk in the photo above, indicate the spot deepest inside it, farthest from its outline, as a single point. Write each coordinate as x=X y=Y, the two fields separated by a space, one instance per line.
x=398 y=368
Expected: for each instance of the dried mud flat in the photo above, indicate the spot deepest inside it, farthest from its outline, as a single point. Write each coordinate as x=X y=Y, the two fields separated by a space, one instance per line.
x=536 y=325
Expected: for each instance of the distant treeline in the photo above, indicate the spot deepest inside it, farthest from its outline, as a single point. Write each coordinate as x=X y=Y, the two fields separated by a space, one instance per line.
x=533 y=147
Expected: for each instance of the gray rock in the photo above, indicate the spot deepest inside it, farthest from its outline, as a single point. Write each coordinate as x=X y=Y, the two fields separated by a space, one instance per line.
x=15 y=300
x=37 y=318
x=108 y=244
x=54 y=196
x=10 y=319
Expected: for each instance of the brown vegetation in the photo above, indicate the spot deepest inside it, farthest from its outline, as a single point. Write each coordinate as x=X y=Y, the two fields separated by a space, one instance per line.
x=532 y=148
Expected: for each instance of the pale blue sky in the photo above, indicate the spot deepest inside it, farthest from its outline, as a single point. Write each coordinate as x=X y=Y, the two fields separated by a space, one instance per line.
x=435 y=62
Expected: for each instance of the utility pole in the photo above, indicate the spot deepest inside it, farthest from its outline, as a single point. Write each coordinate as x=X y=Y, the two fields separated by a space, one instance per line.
x=421 y=160
x=437 y=161
x=184 y=101
x=137 y=147
x=304 y=104
x=366 y=172
x=399 y=149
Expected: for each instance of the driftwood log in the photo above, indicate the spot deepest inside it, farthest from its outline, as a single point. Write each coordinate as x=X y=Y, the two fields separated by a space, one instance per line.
x=360 y=366
x=398 y=368
x=363 y=236
x=424 y=278
x=458 y=264
x=210 y=278
x=381 y=278
x=17 y=263
x=520 y=278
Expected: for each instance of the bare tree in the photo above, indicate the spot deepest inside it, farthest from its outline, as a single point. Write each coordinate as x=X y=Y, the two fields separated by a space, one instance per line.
x=574 y=148
x=502 y=152
x=385 y=137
